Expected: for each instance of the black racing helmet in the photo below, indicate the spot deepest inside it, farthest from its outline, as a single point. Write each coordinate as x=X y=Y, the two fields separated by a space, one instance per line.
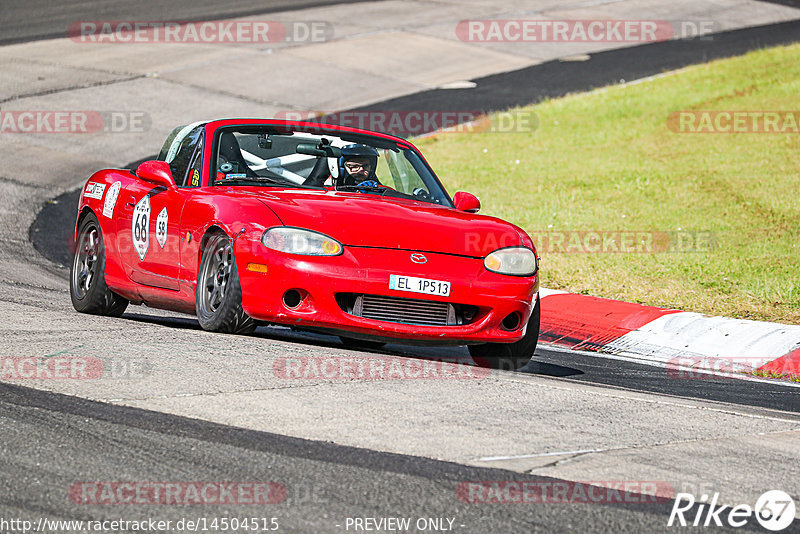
x=357 y=151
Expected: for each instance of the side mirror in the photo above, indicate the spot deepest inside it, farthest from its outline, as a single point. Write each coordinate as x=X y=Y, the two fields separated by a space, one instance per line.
x=157 y=172
x=466 y=202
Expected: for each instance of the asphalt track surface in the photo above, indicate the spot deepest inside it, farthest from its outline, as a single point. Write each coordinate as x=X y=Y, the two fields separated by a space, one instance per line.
x=31 y=20
x=87 y=441
x=78 y=439
x=51 y=230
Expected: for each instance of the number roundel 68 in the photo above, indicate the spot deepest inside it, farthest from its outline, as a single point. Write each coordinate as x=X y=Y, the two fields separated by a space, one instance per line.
x=140 y=227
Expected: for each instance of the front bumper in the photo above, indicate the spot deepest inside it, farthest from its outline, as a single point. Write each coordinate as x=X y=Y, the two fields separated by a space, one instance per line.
x=365 y=271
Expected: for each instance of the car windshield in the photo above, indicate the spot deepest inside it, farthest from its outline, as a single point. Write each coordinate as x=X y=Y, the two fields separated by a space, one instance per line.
x=359 y=164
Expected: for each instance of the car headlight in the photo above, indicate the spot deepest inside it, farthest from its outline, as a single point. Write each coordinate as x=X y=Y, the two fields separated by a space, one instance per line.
x=299 y=241
x=517 y=261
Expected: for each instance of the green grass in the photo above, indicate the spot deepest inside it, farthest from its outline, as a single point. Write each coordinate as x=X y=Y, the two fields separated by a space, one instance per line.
x=607 y=161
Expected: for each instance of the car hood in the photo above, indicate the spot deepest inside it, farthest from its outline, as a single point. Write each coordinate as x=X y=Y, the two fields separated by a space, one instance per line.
x=361 y=220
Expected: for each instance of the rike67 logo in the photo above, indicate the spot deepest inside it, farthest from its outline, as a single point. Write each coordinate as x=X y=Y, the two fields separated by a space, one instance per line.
x=774 y=510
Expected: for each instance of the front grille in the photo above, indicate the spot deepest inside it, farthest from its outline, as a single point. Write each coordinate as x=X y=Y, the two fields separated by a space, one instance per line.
x=407 y=311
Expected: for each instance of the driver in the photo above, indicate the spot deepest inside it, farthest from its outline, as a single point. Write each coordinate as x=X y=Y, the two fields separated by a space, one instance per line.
x=357 y=166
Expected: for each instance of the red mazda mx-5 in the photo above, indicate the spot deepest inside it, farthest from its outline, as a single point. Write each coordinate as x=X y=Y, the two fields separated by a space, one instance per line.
x=314 y=226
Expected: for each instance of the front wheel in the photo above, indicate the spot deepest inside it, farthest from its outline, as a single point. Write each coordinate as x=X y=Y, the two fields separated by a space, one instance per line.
x=218 y=299
x=510 y=355
x=87 y=288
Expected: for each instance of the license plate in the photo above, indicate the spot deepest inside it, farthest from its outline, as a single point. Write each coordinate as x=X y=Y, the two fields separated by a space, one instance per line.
x=419 y=285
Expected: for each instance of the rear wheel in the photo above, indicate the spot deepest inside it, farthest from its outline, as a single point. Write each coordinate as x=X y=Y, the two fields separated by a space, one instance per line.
x=87 y=287
x=218 y=299
x=510 y=355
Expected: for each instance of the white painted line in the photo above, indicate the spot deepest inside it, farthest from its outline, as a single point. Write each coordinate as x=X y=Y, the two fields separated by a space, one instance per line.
x=460 y=84
x=522 y=456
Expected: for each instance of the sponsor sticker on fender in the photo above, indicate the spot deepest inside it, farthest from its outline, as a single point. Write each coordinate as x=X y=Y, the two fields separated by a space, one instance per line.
x=111 y=199
x=94 y=190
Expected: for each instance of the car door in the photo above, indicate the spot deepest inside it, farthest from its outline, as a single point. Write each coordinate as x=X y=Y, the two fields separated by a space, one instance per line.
x=149 y=224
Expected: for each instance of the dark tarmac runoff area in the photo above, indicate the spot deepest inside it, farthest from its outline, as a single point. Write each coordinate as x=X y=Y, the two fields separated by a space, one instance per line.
x=313 y=486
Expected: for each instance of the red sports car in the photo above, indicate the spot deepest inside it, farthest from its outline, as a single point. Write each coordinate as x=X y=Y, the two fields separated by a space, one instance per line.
x=313 y=226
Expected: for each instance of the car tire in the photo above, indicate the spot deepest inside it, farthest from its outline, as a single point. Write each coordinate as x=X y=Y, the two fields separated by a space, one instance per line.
x=218 y=298
x=360 y=344
x=510 y=355
x=87 y=288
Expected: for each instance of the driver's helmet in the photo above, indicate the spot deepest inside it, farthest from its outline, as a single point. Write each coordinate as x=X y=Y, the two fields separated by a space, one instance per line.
x=357 y=151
